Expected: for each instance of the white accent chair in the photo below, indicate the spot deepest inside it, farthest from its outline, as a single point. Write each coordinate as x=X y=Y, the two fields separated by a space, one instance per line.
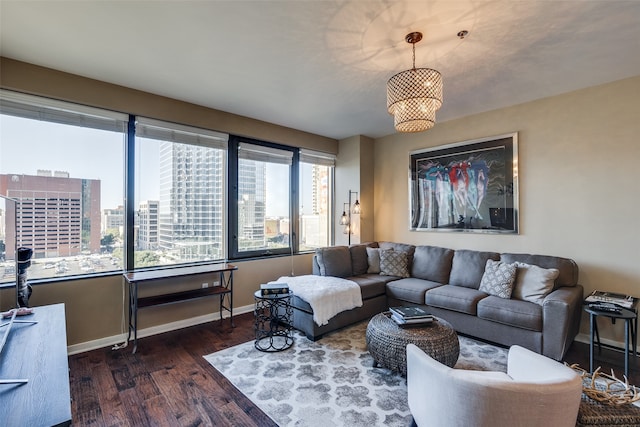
x=536 y=391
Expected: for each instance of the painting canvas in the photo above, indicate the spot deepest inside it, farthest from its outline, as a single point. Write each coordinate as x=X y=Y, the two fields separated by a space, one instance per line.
x=470 y=186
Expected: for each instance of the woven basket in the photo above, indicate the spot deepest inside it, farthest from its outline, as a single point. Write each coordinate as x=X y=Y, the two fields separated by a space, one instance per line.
x=387 y=342
x=594 y=413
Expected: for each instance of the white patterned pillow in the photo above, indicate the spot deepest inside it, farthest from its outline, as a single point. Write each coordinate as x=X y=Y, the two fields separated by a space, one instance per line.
x=498 y=278
x=394 y=263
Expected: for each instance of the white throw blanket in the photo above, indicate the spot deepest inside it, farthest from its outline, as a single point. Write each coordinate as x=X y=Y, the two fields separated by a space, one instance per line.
x=326 y=295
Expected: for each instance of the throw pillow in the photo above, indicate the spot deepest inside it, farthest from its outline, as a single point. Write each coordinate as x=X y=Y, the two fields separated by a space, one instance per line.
x=533 y=283
x=394 y=263
x=498 y=278
x=373 y=258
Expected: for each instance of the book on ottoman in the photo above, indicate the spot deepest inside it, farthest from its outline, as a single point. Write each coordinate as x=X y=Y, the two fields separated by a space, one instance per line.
x=413 y=315
x=410 y=312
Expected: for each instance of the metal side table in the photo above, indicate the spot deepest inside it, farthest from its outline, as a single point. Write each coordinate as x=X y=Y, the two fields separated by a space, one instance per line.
x=630 y=317
x=273 y=314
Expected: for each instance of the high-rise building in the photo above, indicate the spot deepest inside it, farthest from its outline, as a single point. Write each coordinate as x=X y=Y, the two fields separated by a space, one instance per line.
x=320 y=189
x=148 y=225
x=191 y=205
x=56 y=215
x=252 y=178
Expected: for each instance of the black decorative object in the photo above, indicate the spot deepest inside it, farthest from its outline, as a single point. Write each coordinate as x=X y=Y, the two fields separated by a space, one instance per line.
x=23 y=288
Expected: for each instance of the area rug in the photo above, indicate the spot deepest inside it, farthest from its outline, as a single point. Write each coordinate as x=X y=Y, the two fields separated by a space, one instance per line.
x=332 y=382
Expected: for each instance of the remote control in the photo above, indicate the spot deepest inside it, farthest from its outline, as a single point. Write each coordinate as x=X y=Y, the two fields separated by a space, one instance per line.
x=605 y=306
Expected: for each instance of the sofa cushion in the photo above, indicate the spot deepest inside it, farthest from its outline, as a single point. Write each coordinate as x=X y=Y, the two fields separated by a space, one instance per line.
x=373 y=260
x=359 y=260
x=432 y=263
x=410 y=289
x=456 y=298
x=467 y=267
x=533 y=283
x=371 y=285
x=521 y=314
x=400 y=247
x=334 y=261
x=498 y=278
x=568 y=268
x=394 y=263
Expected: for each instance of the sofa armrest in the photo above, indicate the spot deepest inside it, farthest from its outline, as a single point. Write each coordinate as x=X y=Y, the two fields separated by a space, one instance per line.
x=315 y=268
x=561 y=314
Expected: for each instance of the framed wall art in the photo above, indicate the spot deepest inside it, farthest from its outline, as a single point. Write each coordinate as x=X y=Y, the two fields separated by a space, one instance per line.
x=470 y=186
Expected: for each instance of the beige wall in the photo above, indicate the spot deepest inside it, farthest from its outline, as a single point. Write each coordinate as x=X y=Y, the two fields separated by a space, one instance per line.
x=579 y=156
x=355 y=172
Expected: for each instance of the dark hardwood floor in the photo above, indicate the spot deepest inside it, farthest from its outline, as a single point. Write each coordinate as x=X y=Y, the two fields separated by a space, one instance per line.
x=168 y=382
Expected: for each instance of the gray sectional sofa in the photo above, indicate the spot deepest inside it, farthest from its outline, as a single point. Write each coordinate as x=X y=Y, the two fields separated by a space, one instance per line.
x=449 y=282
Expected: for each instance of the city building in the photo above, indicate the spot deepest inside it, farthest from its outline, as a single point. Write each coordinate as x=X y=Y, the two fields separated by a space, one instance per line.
x=191 y=208
x=57 y=215
x=147 y=225
x=112 y=219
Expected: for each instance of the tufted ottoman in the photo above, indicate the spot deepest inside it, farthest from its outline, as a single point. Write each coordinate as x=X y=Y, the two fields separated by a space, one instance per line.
x=387 y=342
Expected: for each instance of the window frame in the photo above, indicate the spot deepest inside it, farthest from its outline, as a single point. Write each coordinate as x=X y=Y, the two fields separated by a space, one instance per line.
x=233 y=201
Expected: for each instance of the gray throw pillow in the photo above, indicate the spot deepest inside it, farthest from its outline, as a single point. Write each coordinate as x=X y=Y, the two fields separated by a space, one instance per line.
x=498 y=278
x=373 y=258
x=394 y=263
x=533 y=283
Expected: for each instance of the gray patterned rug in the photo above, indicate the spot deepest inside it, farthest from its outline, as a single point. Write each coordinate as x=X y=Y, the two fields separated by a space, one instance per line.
x=332 y=382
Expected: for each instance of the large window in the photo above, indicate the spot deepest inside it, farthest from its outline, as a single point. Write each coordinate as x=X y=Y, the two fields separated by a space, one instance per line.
x=98 y=191
x=262 y=189
x=64 y=166
x=315 y=189
x=179 y=194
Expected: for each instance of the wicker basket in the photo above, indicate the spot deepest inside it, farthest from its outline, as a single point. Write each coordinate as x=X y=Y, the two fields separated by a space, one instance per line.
x=594 y=413
x=387 y=342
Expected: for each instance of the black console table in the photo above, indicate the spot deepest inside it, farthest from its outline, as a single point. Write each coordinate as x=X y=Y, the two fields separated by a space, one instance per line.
x=36 y=352
x=224 y=290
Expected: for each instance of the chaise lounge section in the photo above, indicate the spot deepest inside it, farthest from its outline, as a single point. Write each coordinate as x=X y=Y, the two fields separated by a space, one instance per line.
x=542 y=311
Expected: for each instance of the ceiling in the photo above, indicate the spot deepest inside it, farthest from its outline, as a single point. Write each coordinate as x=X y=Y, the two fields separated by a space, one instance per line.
x=322 y=66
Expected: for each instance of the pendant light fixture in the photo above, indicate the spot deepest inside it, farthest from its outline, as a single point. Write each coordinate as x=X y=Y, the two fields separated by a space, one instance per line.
x=414 y=96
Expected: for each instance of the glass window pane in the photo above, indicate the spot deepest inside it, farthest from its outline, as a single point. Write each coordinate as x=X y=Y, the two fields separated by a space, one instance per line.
x=263 y=205
x=179 y=196
x=315 y=206
x=66 y=178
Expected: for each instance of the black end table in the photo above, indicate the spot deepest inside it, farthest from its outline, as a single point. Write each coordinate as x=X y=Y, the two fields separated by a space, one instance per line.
x=630 y=317
x=273 y=321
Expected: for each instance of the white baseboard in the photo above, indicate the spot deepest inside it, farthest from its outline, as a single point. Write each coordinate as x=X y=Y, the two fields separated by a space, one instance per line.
x=117 y=340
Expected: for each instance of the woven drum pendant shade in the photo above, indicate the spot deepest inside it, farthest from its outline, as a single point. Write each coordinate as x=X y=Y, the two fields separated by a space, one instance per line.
x=413 y=97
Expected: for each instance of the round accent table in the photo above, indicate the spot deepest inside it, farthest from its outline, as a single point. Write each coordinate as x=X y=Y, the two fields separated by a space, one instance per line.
x=387 y=342
x=273 y=322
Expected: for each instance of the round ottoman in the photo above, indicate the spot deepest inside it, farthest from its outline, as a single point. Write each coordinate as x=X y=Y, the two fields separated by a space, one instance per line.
x=387 y=342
